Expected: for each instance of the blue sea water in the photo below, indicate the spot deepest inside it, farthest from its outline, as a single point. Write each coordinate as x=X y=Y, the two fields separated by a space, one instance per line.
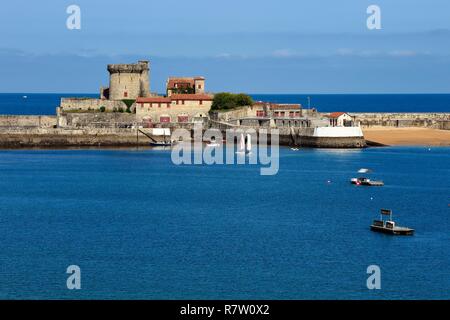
x=14 y=103
x=141 y=227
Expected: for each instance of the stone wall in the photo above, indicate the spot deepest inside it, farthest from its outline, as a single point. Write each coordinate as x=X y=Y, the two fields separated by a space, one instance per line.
x=152 y=112
x=427 y=120
x=19 y=121
x=96 y=120
x=56 y=138
x=91 y=104
x=238 y=113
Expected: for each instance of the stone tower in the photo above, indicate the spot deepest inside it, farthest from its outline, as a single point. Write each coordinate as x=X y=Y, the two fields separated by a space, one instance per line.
x=199 y=84
x=129 y=81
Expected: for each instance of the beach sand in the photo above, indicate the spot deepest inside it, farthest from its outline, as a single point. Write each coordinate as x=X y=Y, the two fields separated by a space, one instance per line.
x=407 y=136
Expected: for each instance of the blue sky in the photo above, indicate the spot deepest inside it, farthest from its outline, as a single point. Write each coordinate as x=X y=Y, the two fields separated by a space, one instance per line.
x=284 y=46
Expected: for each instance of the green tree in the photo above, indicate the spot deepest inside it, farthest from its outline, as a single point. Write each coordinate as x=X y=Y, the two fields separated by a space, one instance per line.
x=226 y=101
x=243 y=100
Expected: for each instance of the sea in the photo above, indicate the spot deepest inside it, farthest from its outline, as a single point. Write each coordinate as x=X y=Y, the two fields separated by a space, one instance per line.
x=139 y=226
x=46 y=103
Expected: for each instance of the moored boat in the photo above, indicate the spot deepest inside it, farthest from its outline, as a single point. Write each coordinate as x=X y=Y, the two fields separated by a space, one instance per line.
x=388 y=226
x=362 y=181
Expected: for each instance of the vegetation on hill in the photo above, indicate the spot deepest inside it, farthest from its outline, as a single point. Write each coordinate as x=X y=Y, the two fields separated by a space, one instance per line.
x=226 y=101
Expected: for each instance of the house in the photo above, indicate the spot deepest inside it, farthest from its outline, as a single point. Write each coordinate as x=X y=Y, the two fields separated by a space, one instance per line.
x=185 y=85
x=340 y=119
x=177 y=108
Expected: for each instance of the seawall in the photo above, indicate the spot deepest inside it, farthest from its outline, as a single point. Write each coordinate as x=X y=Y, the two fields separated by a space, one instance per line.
x=118 y=130
x=418 y=119
x=47 y=138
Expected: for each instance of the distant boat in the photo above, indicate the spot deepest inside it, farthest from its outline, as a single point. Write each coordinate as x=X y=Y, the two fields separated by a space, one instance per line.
x=362 y=181
x=24 y=97
x=294 y=149
x=241 y=144
x=160 y=143
x=364 y=170
x=389 y=226
x=249 y=144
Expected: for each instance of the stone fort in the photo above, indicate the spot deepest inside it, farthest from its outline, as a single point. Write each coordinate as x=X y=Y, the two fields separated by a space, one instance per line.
x=127 y=81
x=129 y=91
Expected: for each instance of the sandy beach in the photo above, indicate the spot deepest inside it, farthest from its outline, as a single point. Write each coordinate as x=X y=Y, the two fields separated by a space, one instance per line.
x=408 y=136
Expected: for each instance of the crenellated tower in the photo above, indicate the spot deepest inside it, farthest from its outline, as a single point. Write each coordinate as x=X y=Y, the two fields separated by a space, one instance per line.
x=129 y=81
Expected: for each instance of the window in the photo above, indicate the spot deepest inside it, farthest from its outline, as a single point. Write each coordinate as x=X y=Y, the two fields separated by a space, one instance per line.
x=199 y=86
x=183 y=118
x=159 y=105
x=182 y=101
x=125 y=94
x=168 y=105
x=201 y=102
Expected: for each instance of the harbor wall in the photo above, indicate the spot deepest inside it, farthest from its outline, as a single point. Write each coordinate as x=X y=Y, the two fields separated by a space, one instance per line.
x=91 y=104
x=404 y=119
x=95 y=119
x=27 y=121
x=127 y=137
x=48 y=138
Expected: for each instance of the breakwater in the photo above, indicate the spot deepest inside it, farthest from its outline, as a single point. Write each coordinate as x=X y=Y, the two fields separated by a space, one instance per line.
x=55 y=137
x=118 y=129
x=418 y=119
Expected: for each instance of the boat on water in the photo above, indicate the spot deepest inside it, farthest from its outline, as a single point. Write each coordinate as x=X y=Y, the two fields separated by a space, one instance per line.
x=388 y=226
x=160 y=143
x=248 y=149
x=245 y=145
x=241 y=149
x=362 y=181
x=160 y=137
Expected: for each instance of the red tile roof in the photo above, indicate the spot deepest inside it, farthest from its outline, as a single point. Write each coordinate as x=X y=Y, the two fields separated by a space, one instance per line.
x=336 y=114
x=187 y=96
x=285 y=106
x=182 y=81
x=153 y=99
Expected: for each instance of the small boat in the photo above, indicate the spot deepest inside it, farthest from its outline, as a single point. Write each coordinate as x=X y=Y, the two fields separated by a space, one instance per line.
x=241 y=145
x=294 y=149
x=364 y=170
x=362 y=181
x=160 y=143
x=249 y=144
x=24 y=97
x=389 y=226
